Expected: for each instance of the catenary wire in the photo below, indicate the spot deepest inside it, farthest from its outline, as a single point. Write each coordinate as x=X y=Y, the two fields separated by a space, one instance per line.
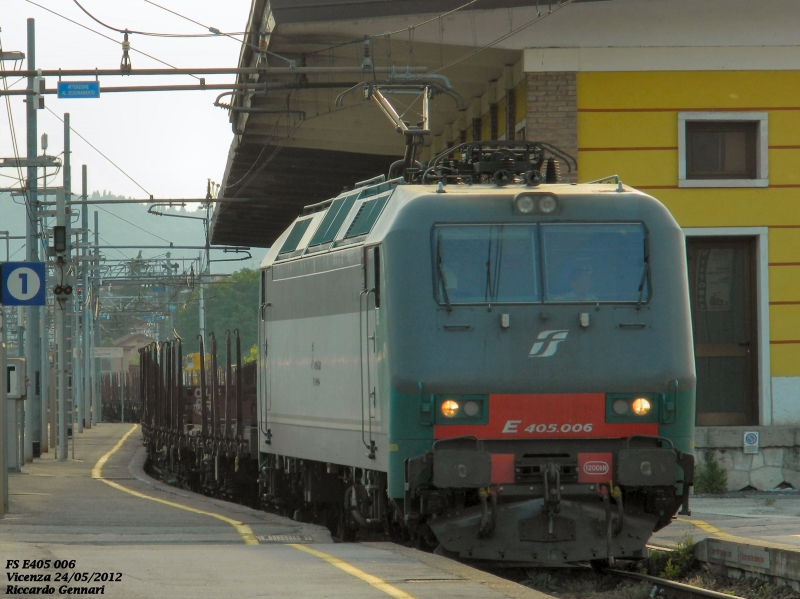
x=28 y=211
x=172 y=66
x=132 y=224
x=99 y=152
x=213 y=32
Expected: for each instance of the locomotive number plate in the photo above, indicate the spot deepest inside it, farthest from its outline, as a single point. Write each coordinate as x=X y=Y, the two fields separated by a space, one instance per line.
x=516 y=426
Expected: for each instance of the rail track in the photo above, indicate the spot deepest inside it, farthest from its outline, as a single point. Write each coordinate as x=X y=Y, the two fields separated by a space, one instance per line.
x=667 y=589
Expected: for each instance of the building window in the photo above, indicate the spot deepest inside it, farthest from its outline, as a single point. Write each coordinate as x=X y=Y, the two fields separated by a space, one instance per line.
x=493 y=122
x=722 y=149
x=477 y=126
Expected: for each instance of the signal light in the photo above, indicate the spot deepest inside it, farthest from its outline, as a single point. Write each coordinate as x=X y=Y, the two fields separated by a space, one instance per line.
x=60 y=239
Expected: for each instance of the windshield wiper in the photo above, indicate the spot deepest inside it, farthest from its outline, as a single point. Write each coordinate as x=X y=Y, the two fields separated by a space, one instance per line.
x=645 y=275
x=440 y=270
x=493 y=283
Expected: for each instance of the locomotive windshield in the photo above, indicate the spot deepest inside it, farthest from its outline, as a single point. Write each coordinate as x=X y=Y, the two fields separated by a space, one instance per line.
x=502 y=263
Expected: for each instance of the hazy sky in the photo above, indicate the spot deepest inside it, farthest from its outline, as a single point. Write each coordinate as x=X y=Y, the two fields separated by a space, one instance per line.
x=170 y=143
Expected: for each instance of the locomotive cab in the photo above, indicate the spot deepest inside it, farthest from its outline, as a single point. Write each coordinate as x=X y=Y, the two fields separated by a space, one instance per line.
x=491 y=365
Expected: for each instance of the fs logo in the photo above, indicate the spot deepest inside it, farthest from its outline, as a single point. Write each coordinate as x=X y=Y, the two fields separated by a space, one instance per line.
x=547 y=343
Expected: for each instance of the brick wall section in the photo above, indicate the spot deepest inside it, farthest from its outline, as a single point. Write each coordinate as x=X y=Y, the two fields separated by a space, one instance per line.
x=553 y=113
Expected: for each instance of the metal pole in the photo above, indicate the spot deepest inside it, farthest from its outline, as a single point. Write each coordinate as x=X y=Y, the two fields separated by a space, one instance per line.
x=97 y=406
x=3 y=402
x=122 y=378
x=61 y=342
x=44 y=360
x=86 y=415
x=32 y=348
x=202 y=304
x=72 y=340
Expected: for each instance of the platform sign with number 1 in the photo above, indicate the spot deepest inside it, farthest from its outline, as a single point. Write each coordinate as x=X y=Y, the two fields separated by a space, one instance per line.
x=22 y=284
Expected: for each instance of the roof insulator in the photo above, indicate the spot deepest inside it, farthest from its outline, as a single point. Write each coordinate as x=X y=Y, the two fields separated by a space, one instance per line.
x=552 y=173
x=125 y=64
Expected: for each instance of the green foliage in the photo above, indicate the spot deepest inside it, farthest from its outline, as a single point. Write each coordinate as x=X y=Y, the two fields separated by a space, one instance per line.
x=769 y=501
x=231 y=303
x=672 y=564
x=252 y=355
x=710 y=477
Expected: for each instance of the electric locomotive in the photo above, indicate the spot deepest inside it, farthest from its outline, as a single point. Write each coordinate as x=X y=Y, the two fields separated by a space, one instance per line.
x=482 y=359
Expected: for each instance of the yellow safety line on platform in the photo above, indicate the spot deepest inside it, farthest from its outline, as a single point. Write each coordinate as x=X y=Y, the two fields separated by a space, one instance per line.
x=97 y=472
x=709 y=528
x=371 y=580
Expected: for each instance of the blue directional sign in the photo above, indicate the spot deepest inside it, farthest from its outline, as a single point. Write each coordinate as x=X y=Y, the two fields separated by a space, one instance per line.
x=78 y=89
x=22 y=284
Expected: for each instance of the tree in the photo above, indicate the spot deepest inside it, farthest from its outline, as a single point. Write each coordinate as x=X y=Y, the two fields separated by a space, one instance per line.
x=231 y=303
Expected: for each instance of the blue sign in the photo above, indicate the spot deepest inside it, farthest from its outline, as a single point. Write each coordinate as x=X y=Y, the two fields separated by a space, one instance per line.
x=22 y=284
x=78 y=89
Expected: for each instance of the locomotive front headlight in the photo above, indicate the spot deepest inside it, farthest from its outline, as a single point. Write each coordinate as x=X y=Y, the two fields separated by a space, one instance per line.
x=641 y=406
x=449 y=408
x=525 y=205
x=547 y=204
x=621 y=406
x=472 y=408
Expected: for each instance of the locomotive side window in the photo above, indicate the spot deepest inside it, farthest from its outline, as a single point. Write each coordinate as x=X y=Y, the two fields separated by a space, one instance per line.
x=595 y=262
x=295 y=236
x=330 y=225
x=368 y=213
x=487 y=263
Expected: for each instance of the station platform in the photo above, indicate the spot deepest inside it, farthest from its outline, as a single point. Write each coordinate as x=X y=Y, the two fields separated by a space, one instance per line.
x=107 y=528
x=755 y=534
x=767 y=517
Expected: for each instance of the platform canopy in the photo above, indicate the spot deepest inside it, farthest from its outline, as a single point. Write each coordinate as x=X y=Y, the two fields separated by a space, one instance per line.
x=293 y=146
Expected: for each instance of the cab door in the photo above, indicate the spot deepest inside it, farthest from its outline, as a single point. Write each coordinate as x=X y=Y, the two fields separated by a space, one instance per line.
x=370 y=310
x=264 y=399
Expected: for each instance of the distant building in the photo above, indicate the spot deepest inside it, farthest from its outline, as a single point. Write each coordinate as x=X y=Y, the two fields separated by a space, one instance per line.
x=130 y=344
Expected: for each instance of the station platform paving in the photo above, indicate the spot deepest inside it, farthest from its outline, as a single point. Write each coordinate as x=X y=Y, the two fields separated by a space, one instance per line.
x=102 y=518
x=766 y=517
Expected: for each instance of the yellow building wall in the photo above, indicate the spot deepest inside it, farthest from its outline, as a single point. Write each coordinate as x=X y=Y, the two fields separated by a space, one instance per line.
x=486 y=126
x=628 y=125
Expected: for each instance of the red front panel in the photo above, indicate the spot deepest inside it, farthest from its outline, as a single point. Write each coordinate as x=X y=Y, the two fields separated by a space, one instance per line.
x=595 y=467
x=546 y=416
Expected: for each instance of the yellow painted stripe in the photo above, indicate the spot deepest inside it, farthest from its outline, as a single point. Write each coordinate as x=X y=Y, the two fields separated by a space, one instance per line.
x=709 y=528
x=245 y=532
x=371 y=580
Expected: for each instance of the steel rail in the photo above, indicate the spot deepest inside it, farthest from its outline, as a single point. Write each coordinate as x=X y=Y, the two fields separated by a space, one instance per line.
x=674 y=590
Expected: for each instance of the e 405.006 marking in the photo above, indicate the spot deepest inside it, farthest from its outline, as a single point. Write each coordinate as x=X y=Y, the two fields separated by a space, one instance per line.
x=513 y=426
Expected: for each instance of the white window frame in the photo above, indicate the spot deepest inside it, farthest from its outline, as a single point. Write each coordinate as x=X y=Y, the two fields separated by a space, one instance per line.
x=762 y=302
x=762 y=148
